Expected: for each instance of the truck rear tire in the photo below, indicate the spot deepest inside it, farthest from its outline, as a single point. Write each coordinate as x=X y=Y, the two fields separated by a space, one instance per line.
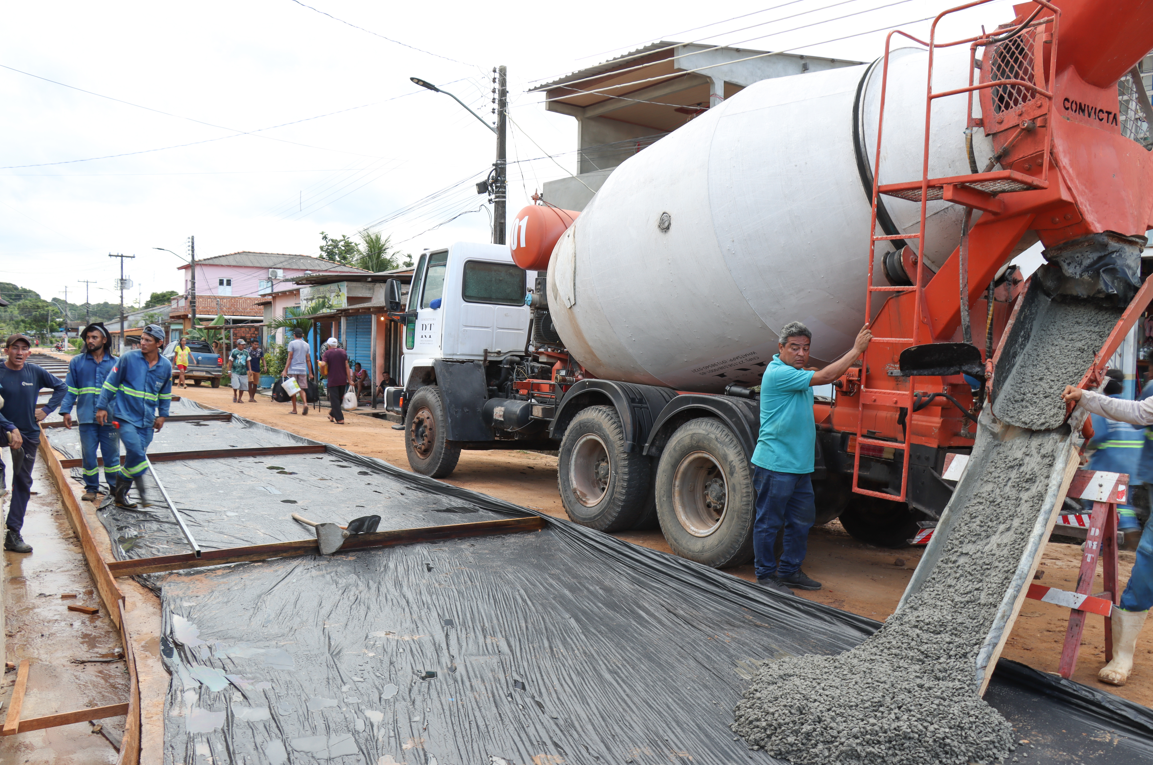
x=429 y=451
x=880 y=522
x=601 y=485
x=705 y=498
x=215 y=382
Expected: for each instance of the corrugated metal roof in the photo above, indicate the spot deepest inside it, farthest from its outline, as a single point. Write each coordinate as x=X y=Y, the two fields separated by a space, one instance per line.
x=606 y=65
x=275 y=260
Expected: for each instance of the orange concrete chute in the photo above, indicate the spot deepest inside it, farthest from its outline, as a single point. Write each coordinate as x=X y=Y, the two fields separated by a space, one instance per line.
x=535 y=232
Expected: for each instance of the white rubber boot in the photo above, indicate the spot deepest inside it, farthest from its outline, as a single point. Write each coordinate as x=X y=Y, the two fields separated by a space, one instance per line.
x=1126 y=627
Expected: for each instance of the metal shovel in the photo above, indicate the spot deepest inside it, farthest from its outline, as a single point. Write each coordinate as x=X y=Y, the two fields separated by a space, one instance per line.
x=330 y=536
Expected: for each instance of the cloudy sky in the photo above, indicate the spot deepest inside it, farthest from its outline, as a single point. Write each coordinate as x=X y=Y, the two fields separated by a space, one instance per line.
x=257 y=125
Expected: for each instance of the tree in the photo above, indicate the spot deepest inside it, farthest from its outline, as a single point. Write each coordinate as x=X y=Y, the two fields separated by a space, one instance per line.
x=377 y=253
x=152 y=317
x=160 y=298
x=301 y=318
x=343 y=250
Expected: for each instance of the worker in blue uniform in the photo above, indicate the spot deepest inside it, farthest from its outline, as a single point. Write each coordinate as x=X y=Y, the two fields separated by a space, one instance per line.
x=1118 y=450
x=86 y=375
x=138 y=393
x=1129 y=617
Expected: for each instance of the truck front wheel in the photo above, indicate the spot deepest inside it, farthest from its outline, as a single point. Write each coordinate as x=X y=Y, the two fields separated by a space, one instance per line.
x=425 y=435
x=705 y=498
x=601 y=485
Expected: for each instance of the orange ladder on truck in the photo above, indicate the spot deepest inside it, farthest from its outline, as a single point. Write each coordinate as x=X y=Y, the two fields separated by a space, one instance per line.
x=1018 y=79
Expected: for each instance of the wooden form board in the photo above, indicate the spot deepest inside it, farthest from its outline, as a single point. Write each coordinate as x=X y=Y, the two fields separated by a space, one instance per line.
x=212 y=454
x=225 y=417
x=137 y=566
x=16 y=703
x=130 y=744
x=68 y=718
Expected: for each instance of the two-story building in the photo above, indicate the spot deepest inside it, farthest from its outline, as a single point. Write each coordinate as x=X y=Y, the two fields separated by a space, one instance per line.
x=632 y=101
x=233 y=284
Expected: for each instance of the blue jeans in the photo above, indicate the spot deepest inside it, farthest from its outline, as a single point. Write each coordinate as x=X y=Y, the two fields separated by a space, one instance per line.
x=22 y=487
x=136 y=441
x=100 y=439
x=784 y=500
x=1138 y=594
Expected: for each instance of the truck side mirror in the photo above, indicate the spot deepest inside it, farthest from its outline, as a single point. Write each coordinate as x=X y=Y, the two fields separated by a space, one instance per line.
x=392 y=296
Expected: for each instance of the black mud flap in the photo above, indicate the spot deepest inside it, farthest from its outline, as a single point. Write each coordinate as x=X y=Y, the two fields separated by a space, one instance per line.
x=464 y=390
x=942 y=359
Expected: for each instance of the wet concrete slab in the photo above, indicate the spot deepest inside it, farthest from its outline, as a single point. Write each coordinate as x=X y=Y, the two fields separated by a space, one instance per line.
x=40 y=628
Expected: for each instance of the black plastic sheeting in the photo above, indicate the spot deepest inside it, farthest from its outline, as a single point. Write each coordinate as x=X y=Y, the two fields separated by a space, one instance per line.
x=559 y=646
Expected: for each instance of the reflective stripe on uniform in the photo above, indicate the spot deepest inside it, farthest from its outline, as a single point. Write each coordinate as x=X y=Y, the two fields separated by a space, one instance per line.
x=135 y=469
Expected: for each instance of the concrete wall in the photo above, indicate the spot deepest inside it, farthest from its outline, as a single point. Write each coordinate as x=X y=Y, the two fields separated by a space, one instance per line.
x=572 y=194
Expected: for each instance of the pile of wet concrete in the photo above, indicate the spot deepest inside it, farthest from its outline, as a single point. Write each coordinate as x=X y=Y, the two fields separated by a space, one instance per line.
x=909 y=694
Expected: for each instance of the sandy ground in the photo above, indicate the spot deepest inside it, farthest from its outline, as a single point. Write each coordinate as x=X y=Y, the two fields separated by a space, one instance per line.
x=859 y=578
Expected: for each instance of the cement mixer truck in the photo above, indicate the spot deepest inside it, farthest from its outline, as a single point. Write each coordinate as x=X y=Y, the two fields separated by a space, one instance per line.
x=894 y=193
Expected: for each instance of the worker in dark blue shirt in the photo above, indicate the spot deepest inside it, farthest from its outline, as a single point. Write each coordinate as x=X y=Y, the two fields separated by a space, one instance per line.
x=20 y=385
x=138 y=393
x=85 y=380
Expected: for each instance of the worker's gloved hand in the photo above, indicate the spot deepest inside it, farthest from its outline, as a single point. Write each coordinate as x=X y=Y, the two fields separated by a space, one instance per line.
x=1072 y=394
x=67 y=416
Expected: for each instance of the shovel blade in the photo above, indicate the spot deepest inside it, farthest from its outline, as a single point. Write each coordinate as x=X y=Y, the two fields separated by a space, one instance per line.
x=329 y=537
x=942 y=359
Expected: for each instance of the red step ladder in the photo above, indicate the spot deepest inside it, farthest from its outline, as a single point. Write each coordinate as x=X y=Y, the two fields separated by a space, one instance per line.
x=1105 y=491
x=975 y=191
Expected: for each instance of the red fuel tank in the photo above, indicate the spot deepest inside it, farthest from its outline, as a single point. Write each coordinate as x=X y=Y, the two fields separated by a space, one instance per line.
x=535 y=232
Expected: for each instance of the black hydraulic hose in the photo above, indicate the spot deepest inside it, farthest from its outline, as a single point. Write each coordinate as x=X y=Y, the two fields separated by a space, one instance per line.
x=920 y=403
x=864 y=170
x=989 y=323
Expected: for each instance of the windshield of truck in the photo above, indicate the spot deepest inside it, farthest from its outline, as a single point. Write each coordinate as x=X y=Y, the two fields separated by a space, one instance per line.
x=500 y=283
x=434 y=278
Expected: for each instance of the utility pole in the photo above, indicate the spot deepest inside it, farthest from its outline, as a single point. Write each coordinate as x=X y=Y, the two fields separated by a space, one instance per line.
x=192 y=301
x=87 y=303
x=500 y=192
x=121 y=285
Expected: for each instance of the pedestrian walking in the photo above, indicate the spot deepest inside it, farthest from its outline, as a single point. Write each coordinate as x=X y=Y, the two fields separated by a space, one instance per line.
x=20 y=386
x=138 y=393
x=298 y=366
x=238 y=361
x=86 y=375
x=255 y=354
x=783 y=461
x=338 y=377
x=181 y=357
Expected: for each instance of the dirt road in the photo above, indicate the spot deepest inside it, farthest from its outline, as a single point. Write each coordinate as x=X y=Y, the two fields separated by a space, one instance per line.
x=858 y=578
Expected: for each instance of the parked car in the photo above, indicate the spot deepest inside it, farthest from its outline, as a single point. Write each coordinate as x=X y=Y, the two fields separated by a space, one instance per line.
x=206 y=363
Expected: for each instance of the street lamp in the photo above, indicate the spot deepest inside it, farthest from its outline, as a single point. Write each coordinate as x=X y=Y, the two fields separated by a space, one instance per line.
x=498 y=176
x=192 y=263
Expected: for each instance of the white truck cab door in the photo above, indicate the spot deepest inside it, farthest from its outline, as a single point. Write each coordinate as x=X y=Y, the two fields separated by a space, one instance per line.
x=422 y=336
x=492 y=312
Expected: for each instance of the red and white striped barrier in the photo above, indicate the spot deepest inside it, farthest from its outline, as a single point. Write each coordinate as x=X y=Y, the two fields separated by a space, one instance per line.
x=1100 y=486
x=954 y=466
x=1077 y=521
x=922 y=536
x=1074 y=600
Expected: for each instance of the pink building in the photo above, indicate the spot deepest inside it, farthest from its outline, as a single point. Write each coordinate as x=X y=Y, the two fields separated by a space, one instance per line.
x=233 y=284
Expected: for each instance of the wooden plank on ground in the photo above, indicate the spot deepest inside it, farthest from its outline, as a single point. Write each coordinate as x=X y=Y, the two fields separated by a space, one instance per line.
x=223 y=417
x=309 y=546
x=12 y=721
x=68 y=718
x=214 y=454
x=130 y=744
x=110 y=594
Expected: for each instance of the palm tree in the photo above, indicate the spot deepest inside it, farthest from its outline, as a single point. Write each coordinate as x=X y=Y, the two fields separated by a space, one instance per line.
x=302 y=319
x=377 y=253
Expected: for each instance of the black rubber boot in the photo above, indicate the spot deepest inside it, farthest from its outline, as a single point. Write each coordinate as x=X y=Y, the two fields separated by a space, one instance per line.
x=120 y=494
x=140 y=492
x=13 y=542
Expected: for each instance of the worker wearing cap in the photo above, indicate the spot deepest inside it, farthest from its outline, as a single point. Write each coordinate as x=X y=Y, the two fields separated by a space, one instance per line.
x=1137 y=599
x=239 y=361
x=20 y=385
x=86 y=375
x=784 y=459
x=138 y=392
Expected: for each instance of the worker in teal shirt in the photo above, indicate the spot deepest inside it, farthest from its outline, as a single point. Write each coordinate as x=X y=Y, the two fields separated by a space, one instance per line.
x=783 y=461
x=138 y=392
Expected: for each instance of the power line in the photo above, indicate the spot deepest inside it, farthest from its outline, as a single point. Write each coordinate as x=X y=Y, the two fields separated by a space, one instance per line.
x=377 y=34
